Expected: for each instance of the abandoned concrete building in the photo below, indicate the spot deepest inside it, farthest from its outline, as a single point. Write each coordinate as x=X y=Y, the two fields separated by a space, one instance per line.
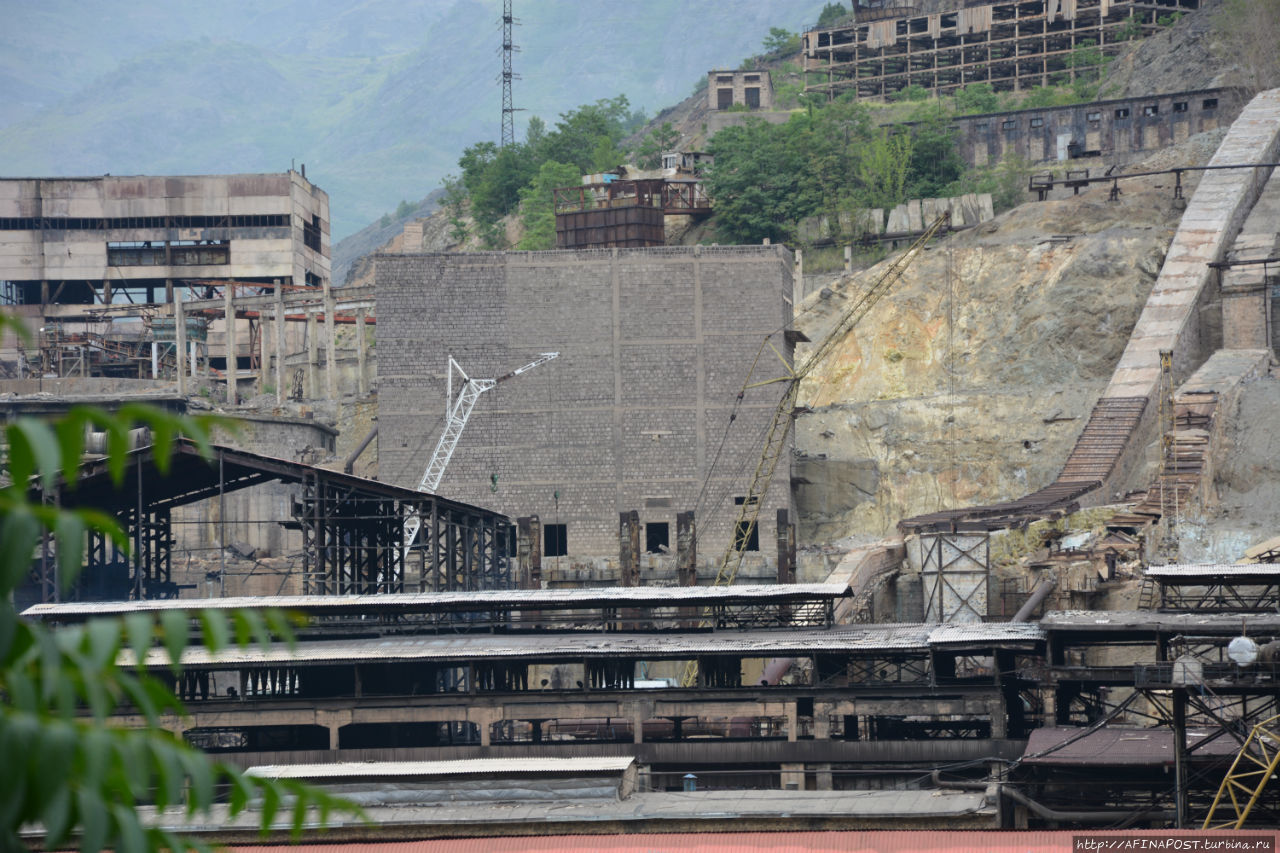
x=752 y=89
x=1119 y=130
x=655 y=345
x=948 y=45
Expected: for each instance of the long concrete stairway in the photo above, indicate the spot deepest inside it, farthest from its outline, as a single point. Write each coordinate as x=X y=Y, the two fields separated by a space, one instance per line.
x=1124 y=419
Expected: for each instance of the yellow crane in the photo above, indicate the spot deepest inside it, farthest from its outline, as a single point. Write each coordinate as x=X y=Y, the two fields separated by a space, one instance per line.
x=1254 y=767
x=775 y=441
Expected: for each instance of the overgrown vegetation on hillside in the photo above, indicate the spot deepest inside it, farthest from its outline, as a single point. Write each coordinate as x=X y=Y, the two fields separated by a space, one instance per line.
x=498 y=180
x=832 y=158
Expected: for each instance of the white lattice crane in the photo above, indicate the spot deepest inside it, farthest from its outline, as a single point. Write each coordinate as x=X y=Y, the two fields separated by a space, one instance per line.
x=469 y=391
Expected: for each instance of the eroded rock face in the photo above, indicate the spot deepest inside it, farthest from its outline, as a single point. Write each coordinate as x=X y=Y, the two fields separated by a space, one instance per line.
x=970 y=381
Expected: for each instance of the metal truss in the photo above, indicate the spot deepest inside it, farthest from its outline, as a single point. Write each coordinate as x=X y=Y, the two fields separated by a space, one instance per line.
x=954 y=570
x=1223 y=597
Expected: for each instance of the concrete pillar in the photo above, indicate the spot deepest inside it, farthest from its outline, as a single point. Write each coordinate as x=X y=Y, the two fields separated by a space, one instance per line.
x=786 y=542
x=822 y=774
x=313 y=356
x=629 y=548
x=797 y=282
x=229 y=313
x=999 y=720
x=330 y=346
x=529 y=552
x=792 y=723
x=792 y=776
x=362 y=380
x=821 y=722
x=279 y=313
x=180 y=343
x=637 y=726
x=264 y=352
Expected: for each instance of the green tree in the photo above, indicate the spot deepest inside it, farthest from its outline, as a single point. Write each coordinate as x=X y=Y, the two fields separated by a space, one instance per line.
x=537 y=209
x=759 y=180
x=780 y=42
x=576 y=137
x=65 y=767
x=884 y=168
x=935 y=162
x=977 y=98
x=659 y=141
x=455 y=206
x=831 y=15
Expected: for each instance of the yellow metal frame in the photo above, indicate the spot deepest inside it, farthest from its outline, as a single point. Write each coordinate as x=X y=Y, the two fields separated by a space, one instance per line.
x=1254 y=767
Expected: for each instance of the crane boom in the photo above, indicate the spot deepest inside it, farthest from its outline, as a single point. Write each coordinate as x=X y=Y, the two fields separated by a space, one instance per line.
x=775 y=442
x=469 y=391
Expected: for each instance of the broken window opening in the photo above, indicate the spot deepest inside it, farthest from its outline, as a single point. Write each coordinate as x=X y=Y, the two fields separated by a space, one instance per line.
x=555 y=540
x=657 y=537
x=1179 y=106
x=1123 y=112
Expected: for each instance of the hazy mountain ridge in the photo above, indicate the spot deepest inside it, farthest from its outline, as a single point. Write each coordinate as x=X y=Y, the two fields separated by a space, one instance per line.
x=378 y=98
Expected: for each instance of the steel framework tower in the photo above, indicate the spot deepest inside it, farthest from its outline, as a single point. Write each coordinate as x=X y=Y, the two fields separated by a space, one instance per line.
x=508 y=111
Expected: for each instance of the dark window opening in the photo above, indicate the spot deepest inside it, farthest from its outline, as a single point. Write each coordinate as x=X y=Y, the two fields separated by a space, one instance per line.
x=65 y=223
x=1209 y=104
x=1010 y=124
x=657 y=536
x=1179 y=106
x=752 y=78
x=1151 y=110
x=724 y=78
x=724 y=99
x=313 y=280
x=555 y=540
x=1094 y=118
x=1037 y=122
x=980 y=126
x=1123 y=112
x=311 y=233
x=753 y=97
x=743 y=539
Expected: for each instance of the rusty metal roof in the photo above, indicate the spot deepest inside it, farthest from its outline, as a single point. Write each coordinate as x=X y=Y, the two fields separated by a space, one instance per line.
x=1114 y=746
x=812 y=841
x=999 y=633
x=427 y=602
x=1226 y=571
x=1139 y=621
x=422 y=769
x=843 y=638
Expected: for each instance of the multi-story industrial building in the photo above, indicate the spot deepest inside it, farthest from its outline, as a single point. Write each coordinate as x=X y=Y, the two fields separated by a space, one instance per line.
x=133 y=239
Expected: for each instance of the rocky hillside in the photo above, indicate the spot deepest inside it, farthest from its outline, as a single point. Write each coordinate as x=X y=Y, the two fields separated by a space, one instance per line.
x=970 y=382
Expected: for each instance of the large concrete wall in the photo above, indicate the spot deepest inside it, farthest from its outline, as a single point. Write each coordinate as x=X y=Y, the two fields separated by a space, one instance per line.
x=654 y=346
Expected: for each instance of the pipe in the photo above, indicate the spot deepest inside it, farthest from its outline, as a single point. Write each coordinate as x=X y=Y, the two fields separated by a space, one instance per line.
x=1083 y=817
x=1039 y=594
x=350 y=464
x=962 y=786
x=774 y=670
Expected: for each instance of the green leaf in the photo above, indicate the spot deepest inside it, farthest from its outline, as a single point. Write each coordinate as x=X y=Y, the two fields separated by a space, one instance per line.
x=71 y=430
x=250 y=624
x=95 y=757
x=117 y=449
x=240 y=791
x=94 y=821
x=281 y=624
x=200 y=772
x=139 y=627
x=102 y=637
x=299 y=812
x=19 y=534
x=8 y=630
x=43 y=443
x=69 y=535
x=57 y=817
x=175 y=625
x=215 y=632
x=270 y=804
x=133 y=839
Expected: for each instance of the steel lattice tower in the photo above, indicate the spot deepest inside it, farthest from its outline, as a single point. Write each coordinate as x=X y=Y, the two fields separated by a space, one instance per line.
x=508 y=111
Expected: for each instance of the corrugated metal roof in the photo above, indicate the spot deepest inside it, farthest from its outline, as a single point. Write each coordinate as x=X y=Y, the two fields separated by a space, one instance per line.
x=1222 y=570
x=1114 y=746
x=984 y=632
x=426 y=602
x=844 y=638
x=471 y=767
x=1102 y=621
x=838 y=841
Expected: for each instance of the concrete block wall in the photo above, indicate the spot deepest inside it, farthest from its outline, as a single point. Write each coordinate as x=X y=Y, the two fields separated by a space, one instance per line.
x=654 y=346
